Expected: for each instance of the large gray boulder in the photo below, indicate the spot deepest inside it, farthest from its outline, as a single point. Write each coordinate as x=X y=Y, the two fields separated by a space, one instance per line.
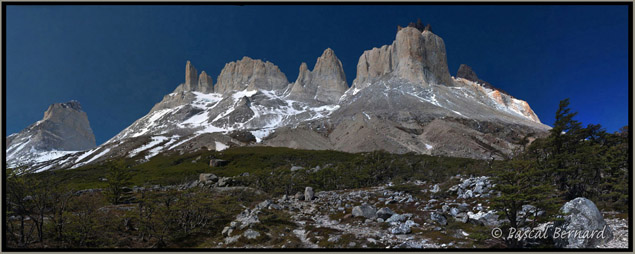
x=365 y=210
x=207 y=178
x=247 y=218
x=400 y=229
x=438 y=218
x=224 y=181
x=251 y=234
x=385 y=213
x=397 y=218
x=584 y=223
x=489 y=218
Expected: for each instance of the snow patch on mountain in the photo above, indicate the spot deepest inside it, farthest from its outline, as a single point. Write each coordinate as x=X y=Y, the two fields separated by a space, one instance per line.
x=35 y=156
x=220 y=146
x=155 y=141
x=156 y=150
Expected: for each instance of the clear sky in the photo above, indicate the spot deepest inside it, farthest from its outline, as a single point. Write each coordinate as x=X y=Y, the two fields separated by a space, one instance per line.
x=118 y=61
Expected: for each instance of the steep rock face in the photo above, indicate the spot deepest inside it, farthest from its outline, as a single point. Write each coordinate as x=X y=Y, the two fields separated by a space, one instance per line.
x=325 y=84
x=205 y=84
x=503 y=100
x=191 y=77
x=466 y=72
x=250 y=74
x=194 y=82
x=65 y=127
x=418 y=57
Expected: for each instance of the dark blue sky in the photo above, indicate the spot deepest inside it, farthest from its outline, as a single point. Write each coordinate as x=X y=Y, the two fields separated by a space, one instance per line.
x=118 y=61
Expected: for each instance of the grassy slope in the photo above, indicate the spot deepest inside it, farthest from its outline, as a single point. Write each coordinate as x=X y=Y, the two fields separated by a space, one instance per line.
x=174 y=168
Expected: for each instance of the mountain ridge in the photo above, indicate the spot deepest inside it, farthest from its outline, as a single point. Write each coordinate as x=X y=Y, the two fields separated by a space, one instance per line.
x=403 y=99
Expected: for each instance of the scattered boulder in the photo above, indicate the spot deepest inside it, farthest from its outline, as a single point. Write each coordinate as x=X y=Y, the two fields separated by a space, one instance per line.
x=411 y=223
x=462 y=217
x=296 y=168
x=435 y=188
x=207 y=178
x=489 y=218
x=233 y=239
x=227 y=231
x=454 y=211
x=584 y=218
x=308 y=194
x=473 y=187
x=224 y=181
x=243 y=136
x=334 y=238
x=217 y=163
x=439 y=218
x=464 y=207
x=247 y=218
x=445 y=208
x=365 y=210
x=299 y=196
x=400 y=229
x=397 y=218
x=251 y=234
x=264 y=204
x=384 y=213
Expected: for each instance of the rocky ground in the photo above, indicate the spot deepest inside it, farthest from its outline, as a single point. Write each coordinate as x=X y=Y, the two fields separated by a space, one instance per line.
x=620 y=233
x=378 y=217
x=454 y=215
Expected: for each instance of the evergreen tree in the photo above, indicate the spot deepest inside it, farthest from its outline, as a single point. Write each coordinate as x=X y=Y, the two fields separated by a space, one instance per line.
x=615 y=177
x=118 y=177
x=520 y=183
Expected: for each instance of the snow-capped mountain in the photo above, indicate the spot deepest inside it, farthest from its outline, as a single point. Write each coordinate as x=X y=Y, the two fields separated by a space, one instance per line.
x=63 y=130
x=402 y=100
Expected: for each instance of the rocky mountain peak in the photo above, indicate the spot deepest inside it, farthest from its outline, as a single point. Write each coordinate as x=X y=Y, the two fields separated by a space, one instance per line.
x=251 y=74
x=191 y=75
x=303 y=67
x=56 y=110
x=466 y=72
x=304 y=76
x=205 y=84
x=325 y=83
x=416 y=56
x=65 y=127
x=194 y=82
x=421 y=57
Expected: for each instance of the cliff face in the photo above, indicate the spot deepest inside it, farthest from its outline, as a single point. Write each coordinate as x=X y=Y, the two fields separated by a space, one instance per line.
x=250 y=74
x=64 y=127
x=415 y=56
x=326 y=83
x=194 y=82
